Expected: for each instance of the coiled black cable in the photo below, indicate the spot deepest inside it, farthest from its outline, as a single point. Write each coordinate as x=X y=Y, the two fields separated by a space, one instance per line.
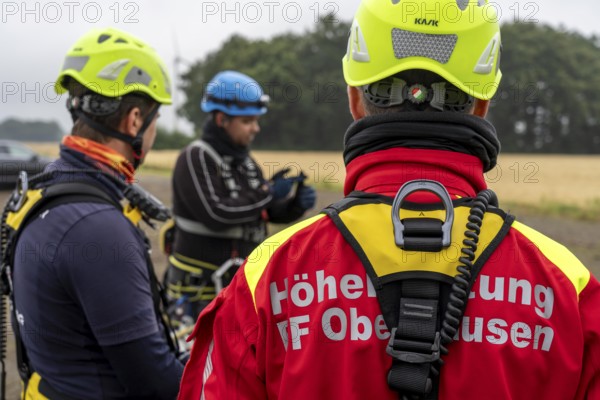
x=459 y=294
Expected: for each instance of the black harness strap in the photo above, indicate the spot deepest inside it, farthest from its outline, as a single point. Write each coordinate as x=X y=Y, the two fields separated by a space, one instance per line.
x=159 y=298
x=415 y=341
x=423 y=234
x=410 y=306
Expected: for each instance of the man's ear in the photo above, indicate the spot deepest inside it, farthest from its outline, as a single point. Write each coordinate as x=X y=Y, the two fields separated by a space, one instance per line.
x=132 y=123
x=355 y=101
x=220 y=119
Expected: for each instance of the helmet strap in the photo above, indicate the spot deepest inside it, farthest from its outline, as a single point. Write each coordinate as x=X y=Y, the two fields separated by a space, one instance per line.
x=135 y=142
x=139 y=138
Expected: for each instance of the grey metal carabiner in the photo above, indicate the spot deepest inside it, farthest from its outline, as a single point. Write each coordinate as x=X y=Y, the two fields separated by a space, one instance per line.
x=417 y=186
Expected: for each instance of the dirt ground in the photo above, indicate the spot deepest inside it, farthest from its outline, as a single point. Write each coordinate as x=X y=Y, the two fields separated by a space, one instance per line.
x=579 y=236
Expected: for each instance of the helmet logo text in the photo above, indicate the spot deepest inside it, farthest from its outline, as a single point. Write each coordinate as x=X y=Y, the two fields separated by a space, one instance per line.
x=428 y=22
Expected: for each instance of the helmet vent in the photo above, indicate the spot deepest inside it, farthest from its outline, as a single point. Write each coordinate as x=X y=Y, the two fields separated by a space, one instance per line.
x=414 y=44
x=103 y=38
x=121 y=40
x=462 y=4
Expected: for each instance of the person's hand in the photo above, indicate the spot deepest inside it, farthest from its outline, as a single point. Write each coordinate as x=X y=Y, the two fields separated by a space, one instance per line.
x=306 y=197
x=281 y=186
x=280 y=174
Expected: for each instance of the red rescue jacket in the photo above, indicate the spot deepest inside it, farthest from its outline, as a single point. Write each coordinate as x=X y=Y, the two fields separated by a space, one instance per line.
x=301 y=319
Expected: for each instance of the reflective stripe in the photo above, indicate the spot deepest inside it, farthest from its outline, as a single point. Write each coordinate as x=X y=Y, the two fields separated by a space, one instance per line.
x=193 y=261
x=559 y=255
x=198 y=293
x=208 y=148
x=75 y=62
x=198 y=228
x=188 y=268
x=259 y=258
x=208 y=368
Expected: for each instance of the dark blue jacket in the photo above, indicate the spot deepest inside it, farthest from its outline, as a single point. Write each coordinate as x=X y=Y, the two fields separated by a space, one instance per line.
x=85 y=307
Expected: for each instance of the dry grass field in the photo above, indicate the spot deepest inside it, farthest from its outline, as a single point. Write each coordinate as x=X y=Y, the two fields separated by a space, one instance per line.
x=556 y=194
x=537 y=180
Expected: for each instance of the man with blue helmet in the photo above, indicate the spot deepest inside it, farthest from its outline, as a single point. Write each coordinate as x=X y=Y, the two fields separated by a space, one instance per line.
x=221 y=200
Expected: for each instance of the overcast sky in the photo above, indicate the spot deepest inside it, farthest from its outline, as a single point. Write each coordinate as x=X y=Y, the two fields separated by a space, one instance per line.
x=35 y=35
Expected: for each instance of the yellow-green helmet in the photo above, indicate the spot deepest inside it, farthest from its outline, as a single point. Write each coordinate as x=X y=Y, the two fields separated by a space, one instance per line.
x=114 y=63
x=456 y=39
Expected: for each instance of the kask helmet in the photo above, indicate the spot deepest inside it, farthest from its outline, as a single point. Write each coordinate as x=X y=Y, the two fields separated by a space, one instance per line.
x=114 y=63
x=456 y=39
x=234 y=94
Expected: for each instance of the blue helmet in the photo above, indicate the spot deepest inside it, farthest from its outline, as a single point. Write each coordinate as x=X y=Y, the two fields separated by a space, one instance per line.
x=234 y=94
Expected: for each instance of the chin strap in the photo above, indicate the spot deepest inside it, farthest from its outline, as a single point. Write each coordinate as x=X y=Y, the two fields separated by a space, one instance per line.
x=73 y=105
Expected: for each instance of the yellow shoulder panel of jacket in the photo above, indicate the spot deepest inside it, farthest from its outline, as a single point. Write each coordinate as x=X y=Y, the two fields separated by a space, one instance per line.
x=559 y=255
x=259 y=258
x=14 y=219
x=371 y=226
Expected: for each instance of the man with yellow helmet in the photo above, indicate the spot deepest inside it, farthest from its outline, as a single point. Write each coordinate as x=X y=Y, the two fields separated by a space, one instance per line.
x=86 y=303
x=415 y=285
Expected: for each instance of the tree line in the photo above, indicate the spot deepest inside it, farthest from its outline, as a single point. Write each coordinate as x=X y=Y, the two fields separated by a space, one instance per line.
x=548 y=101
x=30 y=131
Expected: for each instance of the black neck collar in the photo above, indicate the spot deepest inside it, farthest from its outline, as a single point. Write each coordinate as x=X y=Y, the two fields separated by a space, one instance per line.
x=461 y=133
x=219 y=140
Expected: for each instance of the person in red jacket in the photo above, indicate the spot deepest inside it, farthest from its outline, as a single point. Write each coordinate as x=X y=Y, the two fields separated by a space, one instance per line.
x=392 y=293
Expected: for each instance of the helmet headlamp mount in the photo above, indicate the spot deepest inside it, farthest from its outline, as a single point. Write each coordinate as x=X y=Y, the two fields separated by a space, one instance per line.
x=394 y=91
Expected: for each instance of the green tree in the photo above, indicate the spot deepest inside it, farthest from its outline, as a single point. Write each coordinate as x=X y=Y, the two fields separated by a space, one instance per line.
x=549 y=99
x=30 y=131
x=302 y=75
x=167 y=140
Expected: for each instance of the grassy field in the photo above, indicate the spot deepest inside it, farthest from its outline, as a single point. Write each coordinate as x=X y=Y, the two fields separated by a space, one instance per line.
x=552 y=184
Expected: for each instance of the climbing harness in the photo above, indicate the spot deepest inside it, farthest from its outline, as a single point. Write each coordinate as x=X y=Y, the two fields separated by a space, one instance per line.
x=422 y=271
